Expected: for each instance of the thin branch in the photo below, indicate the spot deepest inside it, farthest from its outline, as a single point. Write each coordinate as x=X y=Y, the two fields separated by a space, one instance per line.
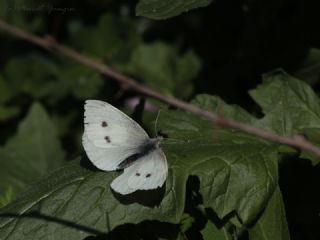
x=47 y=43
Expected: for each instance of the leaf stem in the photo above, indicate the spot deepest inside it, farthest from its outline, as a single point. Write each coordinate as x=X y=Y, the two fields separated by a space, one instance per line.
x=50 y=44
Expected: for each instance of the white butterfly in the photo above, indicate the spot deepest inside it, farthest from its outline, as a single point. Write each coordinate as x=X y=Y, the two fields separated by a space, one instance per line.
x=113 y=141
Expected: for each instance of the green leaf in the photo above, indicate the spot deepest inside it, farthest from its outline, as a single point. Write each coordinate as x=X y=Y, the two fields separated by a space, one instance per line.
x=40 y=77
x=155 y=71
x=168 y=72
x=162 y=9
x=236 y=172
x=111 y=38
x=7 y=112
x=290 y=106
x=36 y=76
x=83 y=197
x=186 y=222
x=81 y=81
x=31 y=153
x=211 y=231
x=17 y=12
x=272 y=224
x=310 y=69
x=5 y=91
x=6 y=196
x=187 y=68
x=217 y=105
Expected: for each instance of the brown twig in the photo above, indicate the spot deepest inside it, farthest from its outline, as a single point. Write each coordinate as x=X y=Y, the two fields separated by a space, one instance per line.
x=130 y=83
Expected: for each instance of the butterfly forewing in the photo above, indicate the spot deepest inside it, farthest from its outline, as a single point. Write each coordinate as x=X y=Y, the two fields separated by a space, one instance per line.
x=105 y=158
x=107 y=127
x=110 y=136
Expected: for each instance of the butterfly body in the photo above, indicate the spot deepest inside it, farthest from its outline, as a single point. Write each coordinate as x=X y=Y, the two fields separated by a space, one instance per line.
x=114 y=141
x=146 y=148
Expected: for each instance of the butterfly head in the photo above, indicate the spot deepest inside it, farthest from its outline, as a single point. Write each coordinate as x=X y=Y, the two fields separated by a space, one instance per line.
x=158 y=140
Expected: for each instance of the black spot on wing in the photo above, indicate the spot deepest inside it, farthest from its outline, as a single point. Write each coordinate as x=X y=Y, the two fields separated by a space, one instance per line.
x=104 y=124
x=148 y=175
x=137 y=174
x=107 y=138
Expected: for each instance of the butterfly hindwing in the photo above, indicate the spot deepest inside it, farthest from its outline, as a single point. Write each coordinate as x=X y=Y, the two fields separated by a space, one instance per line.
x=148 y=172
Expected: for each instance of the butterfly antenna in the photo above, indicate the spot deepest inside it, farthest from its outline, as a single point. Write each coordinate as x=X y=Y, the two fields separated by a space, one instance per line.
x=155 y=125
x=175 y=140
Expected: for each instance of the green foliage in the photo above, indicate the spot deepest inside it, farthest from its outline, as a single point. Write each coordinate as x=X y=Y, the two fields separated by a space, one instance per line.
x=162 y=9
x=186 y=222
x=291 y=108
x=118 y=41
x=160 y=67
x=310 y=69
x=32 y=75
x=82 y=82
x=272 y=224
x=17 y=12
x=78 y=195
x=34 y=151
x=5 y=92
x=219 y=158
x=6 y=196
x=39 y=77
x=112 y=38
x=211 y=231
x=7 y=112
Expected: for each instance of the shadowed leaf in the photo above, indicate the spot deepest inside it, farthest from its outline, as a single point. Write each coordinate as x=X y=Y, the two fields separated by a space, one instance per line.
x=31 y=153
x=162 y=9
x=272 y=224
x=291 y=107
